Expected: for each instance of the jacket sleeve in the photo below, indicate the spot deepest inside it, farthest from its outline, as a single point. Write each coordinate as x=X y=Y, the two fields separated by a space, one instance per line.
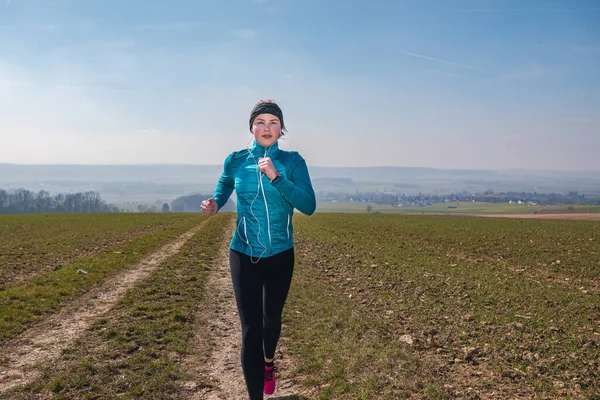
x=297 y=188
x=225 y=185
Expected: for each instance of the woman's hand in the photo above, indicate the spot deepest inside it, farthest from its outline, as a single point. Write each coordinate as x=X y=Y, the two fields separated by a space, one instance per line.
x=266 y=166
x=209 y=207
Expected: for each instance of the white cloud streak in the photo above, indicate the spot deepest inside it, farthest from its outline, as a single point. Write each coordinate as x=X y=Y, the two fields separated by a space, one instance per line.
x=441 y=61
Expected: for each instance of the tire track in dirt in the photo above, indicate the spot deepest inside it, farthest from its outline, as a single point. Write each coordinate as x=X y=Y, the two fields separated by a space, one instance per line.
x=219 y=339
x=47 y=339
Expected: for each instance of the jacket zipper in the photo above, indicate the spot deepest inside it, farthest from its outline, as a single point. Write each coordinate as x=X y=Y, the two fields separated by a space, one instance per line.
x=267 y=209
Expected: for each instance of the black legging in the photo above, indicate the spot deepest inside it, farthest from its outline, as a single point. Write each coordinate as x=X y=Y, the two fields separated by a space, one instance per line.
x=260 y=292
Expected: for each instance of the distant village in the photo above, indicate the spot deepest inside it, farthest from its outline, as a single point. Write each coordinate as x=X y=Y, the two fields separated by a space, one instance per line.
x=489 y=196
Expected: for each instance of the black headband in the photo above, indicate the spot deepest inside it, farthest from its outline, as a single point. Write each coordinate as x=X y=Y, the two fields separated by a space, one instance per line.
x=266 y=108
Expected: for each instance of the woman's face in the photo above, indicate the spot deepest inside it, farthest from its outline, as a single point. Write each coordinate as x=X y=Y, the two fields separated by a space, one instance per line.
x=266 y=129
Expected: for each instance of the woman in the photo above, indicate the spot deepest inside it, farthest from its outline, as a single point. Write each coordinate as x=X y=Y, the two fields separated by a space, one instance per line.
x=269 y=184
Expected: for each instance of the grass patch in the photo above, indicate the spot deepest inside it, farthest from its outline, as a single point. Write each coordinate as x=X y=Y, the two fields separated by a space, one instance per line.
x=35 y=244
x=135 y=351
x=23 y=304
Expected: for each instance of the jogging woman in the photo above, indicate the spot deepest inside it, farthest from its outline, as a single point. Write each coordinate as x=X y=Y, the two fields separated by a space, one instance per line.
x=269 y=184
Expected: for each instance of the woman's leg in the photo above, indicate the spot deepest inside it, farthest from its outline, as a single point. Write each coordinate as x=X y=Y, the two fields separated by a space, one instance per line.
x=277 y=279
x=247 y=284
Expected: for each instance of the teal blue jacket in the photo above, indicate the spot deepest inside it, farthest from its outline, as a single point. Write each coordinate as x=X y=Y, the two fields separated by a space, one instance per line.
x=265 y=208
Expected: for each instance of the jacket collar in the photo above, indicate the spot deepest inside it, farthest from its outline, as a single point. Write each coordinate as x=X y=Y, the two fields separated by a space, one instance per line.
x=259 y=151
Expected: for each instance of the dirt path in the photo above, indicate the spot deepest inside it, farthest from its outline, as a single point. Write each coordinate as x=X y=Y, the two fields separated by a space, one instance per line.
x=46 y=340
x=219 y=339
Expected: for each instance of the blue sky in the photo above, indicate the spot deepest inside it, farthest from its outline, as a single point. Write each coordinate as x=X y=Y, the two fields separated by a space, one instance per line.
x=447 y=84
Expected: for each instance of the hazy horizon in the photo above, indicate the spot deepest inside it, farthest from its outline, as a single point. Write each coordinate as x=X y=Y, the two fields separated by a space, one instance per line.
x=462 y=85
x=310 y=166
x=153 y=182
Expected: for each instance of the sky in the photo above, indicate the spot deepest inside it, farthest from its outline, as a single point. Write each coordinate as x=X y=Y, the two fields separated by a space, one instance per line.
x=461 y=84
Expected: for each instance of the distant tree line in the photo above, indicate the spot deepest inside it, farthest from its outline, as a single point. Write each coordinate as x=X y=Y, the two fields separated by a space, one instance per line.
x=21 y=201
x=191 y=203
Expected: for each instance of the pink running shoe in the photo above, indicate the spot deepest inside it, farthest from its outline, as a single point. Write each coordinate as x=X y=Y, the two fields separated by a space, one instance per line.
x=270 y=384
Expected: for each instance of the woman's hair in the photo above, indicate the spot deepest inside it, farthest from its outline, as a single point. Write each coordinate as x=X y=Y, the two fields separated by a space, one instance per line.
x=267 y=107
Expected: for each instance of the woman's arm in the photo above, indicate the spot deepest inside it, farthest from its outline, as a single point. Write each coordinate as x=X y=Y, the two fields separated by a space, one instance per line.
x=297 y=189
x=226 y=184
